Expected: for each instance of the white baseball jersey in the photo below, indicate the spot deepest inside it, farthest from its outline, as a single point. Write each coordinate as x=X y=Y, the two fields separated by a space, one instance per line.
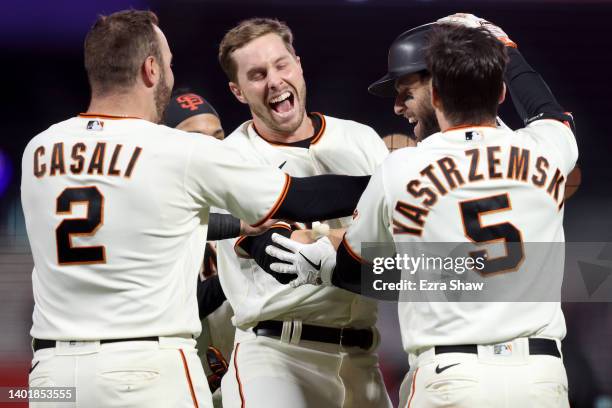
x=116 y=213
x=452 y=187
x=340 y=147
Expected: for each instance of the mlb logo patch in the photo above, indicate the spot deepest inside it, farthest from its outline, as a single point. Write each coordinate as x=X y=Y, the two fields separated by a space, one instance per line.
x=95 y=125
x=473 y=135
x=502 y=349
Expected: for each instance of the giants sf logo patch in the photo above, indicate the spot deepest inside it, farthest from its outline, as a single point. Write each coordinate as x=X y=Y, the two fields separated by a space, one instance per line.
x=189 y=101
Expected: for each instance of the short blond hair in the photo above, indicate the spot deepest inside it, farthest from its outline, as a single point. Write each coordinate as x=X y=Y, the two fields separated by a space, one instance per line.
x=247 y=31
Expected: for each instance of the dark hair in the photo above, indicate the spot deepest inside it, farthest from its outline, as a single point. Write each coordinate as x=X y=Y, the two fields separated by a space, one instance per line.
x=116 y=47
x=467 y=67
x=247 y=31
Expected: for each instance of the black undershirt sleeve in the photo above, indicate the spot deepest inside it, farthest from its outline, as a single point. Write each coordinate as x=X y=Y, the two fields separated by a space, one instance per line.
x=210 y=295
x=531 y=96
x=320 y=198
x=222 y=226
x=347 y=273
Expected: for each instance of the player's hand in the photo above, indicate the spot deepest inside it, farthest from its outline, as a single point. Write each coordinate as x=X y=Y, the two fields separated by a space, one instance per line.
x=470 y=20
x=246 y=229
x=313 y=263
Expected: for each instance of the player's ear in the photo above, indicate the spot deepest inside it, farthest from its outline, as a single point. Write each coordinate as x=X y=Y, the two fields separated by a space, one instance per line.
x=435 y=98
x=502 y=96
x=150 y=71
x=237 y=92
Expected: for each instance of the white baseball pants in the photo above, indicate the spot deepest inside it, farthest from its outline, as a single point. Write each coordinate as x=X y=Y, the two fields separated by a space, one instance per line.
x=487 y=379
x=267 y=373
x=148 y=374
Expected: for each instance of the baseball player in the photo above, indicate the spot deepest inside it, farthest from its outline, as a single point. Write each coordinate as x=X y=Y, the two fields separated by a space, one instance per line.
x=311 y=347
x=190 y=112
x=116 y=210
x=469 y=354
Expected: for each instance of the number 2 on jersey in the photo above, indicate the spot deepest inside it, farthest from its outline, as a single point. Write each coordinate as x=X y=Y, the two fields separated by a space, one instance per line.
x=471 y=211
x=66 y=253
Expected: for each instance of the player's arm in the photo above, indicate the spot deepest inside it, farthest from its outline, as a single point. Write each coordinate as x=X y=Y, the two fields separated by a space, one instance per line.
x=217 y=175
x=210 y=295
x=316 y=198
x=531 y=96
x=339 y=262
x=254 y=247
x=225 y=226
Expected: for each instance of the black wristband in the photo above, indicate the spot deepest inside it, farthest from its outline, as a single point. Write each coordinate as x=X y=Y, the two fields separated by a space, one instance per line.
x=222 y=226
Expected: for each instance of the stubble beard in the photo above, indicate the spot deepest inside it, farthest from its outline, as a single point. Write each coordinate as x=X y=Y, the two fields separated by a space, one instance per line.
x=427 y=119
x=163 y=93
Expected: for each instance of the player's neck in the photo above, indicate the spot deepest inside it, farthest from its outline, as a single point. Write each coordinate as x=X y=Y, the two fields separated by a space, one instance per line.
x=303 y=132
x=123 y=105
x=446 y=125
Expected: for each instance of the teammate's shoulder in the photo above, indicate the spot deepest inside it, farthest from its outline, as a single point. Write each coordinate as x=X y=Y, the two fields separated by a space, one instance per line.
x=333 y=122
x=239 y=135
x=546 y=125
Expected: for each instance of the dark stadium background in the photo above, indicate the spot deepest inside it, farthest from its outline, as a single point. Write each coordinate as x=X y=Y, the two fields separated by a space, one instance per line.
x=343 y=46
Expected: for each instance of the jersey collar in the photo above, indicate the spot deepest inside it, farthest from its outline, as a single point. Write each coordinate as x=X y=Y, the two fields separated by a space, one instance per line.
x=103 y=116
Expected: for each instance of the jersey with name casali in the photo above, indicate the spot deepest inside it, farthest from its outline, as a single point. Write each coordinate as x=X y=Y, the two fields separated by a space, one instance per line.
x=475 y=185
x=339 y=147
x=116 y=213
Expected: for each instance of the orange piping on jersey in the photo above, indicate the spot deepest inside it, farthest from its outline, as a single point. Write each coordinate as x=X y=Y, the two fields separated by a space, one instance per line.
x=467 y=126
x=321 y=131
x=239 y=241
x=193 y=396
x=278 y=203
x=103 y=116
x=240 y=391
x=351 y=252
x=314 y=140
x=412 y=388
x=279 y=225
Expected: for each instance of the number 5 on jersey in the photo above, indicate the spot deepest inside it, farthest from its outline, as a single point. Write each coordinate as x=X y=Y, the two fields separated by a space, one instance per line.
x=66 y=253
x=505 y=232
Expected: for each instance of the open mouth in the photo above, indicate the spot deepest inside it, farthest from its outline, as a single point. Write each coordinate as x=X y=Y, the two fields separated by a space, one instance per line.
x=414 y=123
x=282 y=103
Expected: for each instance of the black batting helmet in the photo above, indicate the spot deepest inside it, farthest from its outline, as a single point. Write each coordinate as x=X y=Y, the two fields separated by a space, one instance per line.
x=406 y=56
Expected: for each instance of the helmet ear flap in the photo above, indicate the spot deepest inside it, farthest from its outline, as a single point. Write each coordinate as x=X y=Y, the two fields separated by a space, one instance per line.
x=406 y=56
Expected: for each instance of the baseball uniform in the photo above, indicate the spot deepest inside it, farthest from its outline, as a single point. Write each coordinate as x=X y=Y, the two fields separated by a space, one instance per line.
x=272 y=372
x=463 y=185
x=116 y=212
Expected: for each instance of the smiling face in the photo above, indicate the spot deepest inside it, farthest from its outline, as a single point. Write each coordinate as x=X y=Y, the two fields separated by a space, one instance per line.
x=269 y=78
x=413 y=101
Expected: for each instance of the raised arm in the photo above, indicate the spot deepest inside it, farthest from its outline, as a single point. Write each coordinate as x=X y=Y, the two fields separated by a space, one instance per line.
x=531 y=96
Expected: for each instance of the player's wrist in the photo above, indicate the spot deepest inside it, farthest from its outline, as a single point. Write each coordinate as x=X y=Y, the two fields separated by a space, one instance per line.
x=328 y=260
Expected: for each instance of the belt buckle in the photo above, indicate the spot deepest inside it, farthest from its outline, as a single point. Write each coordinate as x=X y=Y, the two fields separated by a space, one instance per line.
x=341 y=336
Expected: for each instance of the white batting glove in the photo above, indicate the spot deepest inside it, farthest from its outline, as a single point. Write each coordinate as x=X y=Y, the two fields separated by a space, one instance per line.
x=470 y=20
x=313 y=263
